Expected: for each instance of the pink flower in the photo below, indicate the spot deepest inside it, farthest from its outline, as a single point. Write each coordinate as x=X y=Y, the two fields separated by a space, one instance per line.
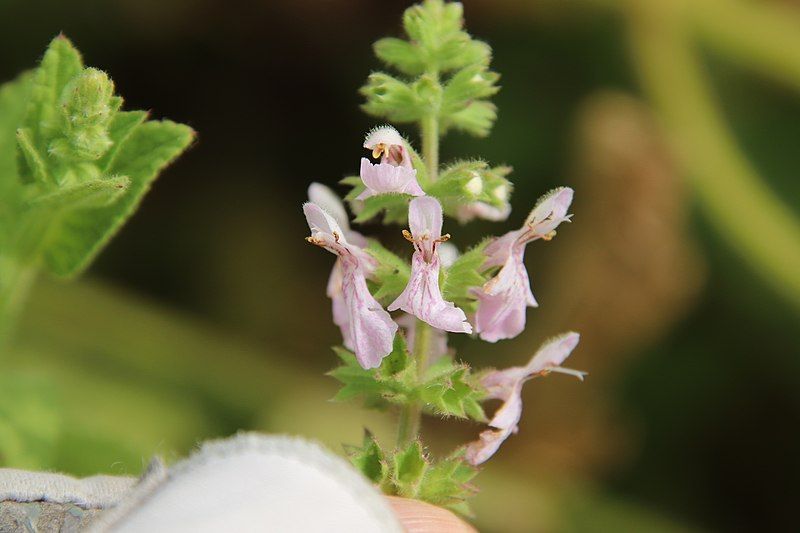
x=387 y=178
x=467 y=212
x=422 y=296
x=503 y=299
x=506 y=385
x=386 y=143
x=367 y=328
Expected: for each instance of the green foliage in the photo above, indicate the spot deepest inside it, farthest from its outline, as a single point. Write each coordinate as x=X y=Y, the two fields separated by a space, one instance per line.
x=465 y=274
x=82 y=165
x=393 y=205
x=447 y=71
x=410 y=472
x=465 y=182
x=371 y=461
x=449 y=389
x=391 y=275
x=445 y=389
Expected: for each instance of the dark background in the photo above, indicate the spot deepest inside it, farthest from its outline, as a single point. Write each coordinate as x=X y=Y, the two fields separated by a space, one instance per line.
x=692 y=419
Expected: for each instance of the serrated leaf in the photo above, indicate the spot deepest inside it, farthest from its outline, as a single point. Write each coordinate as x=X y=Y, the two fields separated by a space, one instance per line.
x=449 y=389
x=476 y=119
x=410 y=465
x=403 y=55
x=391 y=383
x=464 y=275
x=474 y=82
x=397 y=361
x=446 y=481
x=369 y=459
x=392 y=99
x=81 y=235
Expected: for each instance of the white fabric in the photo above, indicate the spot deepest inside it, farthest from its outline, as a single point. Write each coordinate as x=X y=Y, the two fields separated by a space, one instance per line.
x=256 y=483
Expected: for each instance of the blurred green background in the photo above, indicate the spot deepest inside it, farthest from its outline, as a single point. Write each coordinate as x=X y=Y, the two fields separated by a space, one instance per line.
x=676 y=122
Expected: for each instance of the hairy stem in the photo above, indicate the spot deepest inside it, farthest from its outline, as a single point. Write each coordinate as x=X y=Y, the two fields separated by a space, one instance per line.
x=430 y=146
x=411 y=414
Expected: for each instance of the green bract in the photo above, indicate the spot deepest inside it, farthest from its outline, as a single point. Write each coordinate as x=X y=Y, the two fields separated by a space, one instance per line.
x=410 y=472
x=445 y=73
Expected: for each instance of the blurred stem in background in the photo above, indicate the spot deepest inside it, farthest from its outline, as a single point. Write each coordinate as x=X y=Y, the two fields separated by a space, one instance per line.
x=734 y=196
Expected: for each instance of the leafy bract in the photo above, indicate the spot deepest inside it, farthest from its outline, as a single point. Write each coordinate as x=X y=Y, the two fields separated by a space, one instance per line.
x=411 y=472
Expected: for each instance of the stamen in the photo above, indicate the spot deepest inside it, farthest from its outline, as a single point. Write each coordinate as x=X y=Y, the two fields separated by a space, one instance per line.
x=407 y=235
x=378 y=150
x=444 y=238
x=336 y=237
x=316 y=241
x=549 y=236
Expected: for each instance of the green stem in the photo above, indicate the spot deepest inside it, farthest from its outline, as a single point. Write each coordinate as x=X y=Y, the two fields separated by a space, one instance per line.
x=430 y=146
x=411 y=414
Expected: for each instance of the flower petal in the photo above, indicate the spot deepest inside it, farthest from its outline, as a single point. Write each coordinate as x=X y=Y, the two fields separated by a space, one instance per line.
x=487 y=444
x=384 y=178
x=423 y=298
x=552 y=353
x=550 y=211
x=371 y=328
x=425 y=218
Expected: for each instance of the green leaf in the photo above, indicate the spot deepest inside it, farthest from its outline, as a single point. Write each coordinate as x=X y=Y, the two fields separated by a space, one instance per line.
x=87 y=194
x=143 y=154
x=464 y=275
x=33 y=160
x=476 y=119
x=392 y=99
x=394 y=206
x=447 y=484
x=61 y=63
x=474 y=82
x=403 y=55
x=398 y=361
x=119 y=130
x=409 y=467
x=392 y=383
x=370 y=460
x=13 y=102
x=391 y=275
x=450 y=389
